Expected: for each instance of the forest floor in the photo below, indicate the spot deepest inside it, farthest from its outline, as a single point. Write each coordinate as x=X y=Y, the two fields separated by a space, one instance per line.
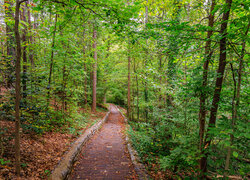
x=39 y=153
x=106 y=156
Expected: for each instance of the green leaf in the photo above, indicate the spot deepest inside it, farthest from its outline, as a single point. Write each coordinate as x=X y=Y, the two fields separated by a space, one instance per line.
x=235 y=154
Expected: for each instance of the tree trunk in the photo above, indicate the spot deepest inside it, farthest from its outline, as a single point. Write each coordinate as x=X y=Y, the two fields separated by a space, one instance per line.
x=51 y=60
x=85 y=68
x=137 y=92
x=219 y=81
x=146 y=66
x=17 y=88
x=236 y=97
x=64 y=83
x=94 y=70
x=10 y=42
x=129 y=98
x=85 y=85
x=24 y=41
x=31 y=56
x=203 y=97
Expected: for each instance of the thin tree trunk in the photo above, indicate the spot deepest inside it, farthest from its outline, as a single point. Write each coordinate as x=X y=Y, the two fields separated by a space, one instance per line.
x=160 y=79
x=236 y=97
x=137 y=92
x=24 y=40
x=94 y=70
x=31 y=56
x=129 y=98
x=219 y=81
x=51 y=60
x=17 y=88
x=64 y=89
x=203 y=97
x=85 y=68
x=146 y=64
x=10 y=42
x=85 y=85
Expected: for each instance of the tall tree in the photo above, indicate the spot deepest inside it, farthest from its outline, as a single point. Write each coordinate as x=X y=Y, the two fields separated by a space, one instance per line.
x=11 y=51
x=51 y=59
x=85 y=66
x=129 y=95
x=219 y=80
x=203 y=96
x=93 y=108
x=146 y=64
x=30 y=37
x=24 y=41
x=18 y=86
x=236 y=97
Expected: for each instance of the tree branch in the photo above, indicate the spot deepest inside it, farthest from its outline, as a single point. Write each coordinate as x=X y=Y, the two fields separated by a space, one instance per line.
x=20 y=2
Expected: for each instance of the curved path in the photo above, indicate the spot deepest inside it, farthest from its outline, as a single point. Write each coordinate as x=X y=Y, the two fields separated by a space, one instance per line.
x=105 y=156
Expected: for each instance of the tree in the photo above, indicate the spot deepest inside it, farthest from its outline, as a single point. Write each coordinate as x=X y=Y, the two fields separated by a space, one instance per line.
x=203 y=96
x=129 y=96
x=93 y=107
x=219 y=80
x=18 y=86
x=11 y=51
x=236 y=97
x=51 y=60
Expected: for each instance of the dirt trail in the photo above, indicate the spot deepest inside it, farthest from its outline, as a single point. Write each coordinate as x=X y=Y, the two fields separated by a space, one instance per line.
x=105 y=156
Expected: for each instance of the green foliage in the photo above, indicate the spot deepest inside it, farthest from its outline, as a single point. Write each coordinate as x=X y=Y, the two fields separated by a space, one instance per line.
x=167 y=59
x=3 y=162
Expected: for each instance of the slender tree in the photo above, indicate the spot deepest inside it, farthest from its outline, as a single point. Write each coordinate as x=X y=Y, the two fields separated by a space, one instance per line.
x=129 y=79
x=24 y=41
x=30 y=37
x=236 y=97
x=203 y=96
x=219 y=81
x=11 y=50
x=94 y=70
x=85 y=67
x=18 y=86
x=51 y=60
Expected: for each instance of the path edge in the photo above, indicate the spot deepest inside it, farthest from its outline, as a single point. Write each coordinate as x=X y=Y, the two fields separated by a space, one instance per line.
x=64 y=167
x=139 y=167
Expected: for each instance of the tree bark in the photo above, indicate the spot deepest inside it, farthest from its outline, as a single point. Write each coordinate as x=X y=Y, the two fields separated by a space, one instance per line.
x=236 y=99
x=146 y=66
x=24 y=40
x=85 y=69
x=219 y=82
x=17 y=88
x=203 y=97
x=137 y=92
x=51 y=60
x=31 y=55
x=85 y=85
x=94 y=70
x=10 y=42
x=64 y=84
x=129 y=79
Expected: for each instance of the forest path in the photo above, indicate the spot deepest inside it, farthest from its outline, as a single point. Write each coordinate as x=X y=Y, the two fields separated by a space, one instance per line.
x=105 y=156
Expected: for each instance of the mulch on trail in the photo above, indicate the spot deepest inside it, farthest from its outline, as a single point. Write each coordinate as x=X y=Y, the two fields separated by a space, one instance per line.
x=105 y=156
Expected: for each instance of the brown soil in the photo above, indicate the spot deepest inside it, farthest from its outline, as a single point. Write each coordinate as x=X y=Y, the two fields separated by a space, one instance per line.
x=105 y=156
